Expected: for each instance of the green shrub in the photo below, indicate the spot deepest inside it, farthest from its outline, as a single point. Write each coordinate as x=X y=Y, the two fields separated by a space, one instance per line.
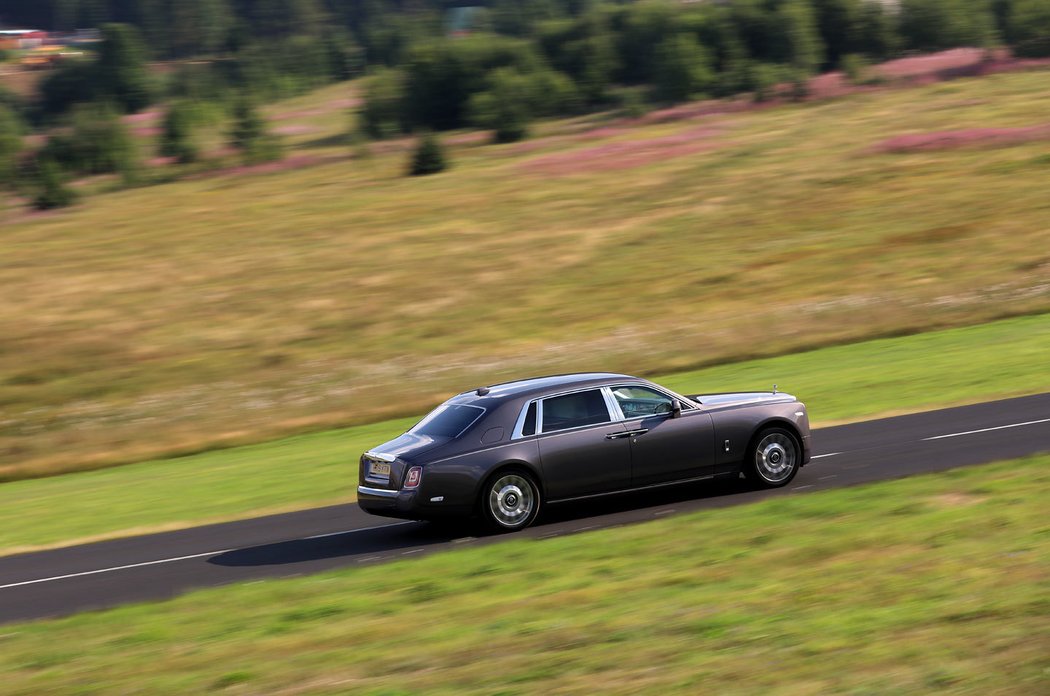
x=177 y=139
x=52 y=190
x=631 y=102
x=97 y=143
x=764 y=79
x=855 y=68
x=507 y=105
x=250 y=135
x=428 y=158
x=10 y=144
x=382 y=115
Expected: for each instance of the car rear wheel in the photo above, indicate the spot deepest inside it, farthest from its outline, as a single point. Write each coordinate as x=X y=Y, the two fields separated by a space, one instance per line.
x=510 y=501
x=773 y=459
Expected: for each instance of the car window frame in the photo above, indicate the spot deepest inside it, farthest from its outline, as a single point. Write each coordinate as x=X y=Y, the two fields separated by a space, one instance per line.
x=519 y=424
x=617 y=415
x=687 y=405
x=539 y=411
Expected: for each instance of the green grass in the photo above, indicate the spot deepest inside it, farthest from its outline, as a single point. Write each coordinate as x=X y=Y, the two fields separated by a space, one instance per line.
x=937 y=583
x=234 y=309
x=897 y=374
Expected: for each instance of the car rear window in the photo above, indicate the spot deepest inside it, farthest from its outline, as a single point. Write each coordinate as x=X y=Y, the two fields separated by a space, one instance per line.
x=449 y=420
x=574 y=410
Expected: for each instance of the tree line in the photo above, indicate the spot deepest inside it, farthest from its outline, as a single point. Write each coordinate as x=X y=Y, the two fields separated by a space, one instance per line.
x=436 y=65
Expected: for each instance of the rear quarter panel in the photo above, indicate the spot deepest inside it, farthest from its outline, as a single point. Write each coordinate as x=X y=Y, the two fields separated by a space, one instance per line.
x=459 y=478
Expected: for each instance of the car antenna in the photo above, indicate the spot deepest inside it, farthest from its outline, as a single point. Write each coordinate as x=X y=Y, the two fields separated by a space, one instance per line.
x=774 y=388
x=482 y=391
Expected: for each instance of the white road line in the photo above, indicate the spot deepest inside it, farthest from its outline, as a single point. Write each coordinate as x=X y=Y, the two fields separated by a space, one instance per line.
x=985 y=430
x=114 y=568
x=799 y=488
x=177 y=558
x=829 y=454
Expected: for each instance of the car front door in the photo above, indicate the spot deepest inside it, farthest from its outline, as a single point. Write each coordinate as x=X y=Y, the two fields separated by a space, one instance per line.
x=664 y=447
x=582 y=449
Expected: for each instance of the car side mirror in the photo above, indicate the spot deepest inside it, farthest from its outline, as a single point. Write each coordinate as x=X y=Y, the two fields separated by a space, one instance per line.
x=676 y=408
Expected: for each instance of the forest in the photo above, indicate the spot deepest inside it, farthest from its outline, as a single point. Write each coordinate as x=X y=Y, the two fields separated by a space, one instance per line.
x=435 y=66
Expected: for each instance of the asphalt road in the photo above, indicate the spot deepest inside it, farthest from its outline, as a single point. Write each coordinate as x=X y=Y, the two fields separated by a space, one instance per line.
x=105 y=574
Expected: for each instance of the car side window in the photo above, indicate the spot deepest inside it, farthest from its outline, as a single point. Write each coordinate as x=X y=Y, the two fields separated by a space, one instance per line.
x=574 y=410
x=529 y=426
x=641 y=401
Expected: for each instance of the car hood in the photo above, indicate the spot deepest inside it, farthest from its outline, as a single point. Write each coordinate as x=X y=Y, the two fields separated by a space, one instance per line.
x=409 y=445
x=742 y=399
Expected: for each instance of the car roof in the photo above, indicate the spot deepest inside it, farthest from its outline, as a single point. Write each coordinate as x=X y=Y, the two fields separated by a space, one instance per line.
x=538 y=386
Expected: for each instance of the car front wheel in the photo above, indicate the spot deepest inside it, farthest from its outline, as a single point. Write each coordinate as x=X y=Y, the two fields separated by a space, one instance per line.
x=774 y=458
x=510 y=501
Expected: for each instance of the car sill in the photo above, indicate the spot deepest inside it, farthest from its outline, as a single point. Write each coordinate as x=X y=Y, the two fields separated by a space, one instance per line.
x=620 y=491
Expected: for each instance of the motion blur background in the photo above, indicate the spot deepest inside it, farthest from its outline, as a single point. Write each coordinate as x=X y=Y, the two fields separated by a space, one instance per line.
x=228 y=227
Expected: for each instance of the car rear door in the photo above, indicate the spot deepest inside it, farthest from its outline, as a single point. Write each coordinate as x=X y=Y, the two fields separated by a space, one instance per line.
x=664 y=448
x=582 y=449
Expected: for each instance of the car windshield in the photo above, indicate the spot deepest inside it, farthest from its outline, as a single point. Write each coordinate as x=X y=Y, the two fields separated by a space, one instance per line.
x=448 y=420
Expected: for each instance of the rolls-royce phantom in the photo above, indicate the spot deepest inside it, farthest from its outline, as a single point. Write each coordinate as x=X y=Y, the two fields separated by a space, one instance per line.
x=503 y=451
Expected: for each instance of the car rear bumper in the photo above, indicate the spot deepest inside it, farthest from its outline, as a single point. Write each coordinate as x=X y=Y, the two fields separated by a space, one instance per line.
x=404 y=504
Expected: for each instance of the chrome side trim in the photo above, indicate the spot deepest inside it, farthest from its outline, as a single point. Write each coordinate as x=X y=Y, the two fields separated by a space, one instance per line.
x=633 y=490
x=381 y=492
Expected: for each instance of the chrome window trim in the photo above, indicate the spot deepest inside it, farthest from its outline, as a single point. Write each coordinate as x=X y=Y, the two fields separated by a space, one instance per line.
x=442 y=408
x=612 y=404
x=615 y=413
x=520 y=422
x=687 y=404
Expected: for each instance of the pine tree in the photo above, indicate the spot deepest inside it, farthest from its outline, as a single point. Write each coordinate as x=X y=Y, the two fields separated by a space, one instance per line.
x=250 y=136
x=121 y=68
x=429 y=157
x=177 y=139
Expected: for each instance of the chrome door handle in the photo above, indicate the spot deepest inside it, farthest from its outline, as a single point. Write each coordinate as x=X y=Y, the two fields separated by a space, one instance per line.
x=617 y=436
x=635 y=433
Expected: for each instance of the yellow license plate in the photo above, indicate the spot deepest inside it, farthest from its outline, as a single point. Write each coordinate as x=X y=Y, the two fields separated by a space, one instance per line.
x=379 y=469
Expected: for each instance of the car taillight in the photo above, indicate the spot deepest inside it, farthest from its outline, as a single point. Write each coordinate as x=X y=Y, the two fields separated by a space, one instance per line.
x=413 y=477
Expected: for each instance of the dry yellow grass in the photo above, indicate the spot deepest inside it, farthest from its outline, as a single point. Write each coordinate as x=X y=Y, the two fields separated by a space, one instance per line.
x=219 y=310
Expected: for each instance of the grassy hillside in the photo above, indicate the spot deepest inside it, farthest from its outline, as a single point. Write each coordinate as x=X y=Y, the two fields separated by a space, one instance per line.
x=864 y=379
x=230 y=309
x=929 y=584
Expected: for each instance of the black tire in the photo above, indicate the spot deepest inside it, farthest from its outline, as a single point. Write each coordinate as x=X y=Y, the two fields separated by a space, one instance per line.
x=509 y=501
x=773 y=458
